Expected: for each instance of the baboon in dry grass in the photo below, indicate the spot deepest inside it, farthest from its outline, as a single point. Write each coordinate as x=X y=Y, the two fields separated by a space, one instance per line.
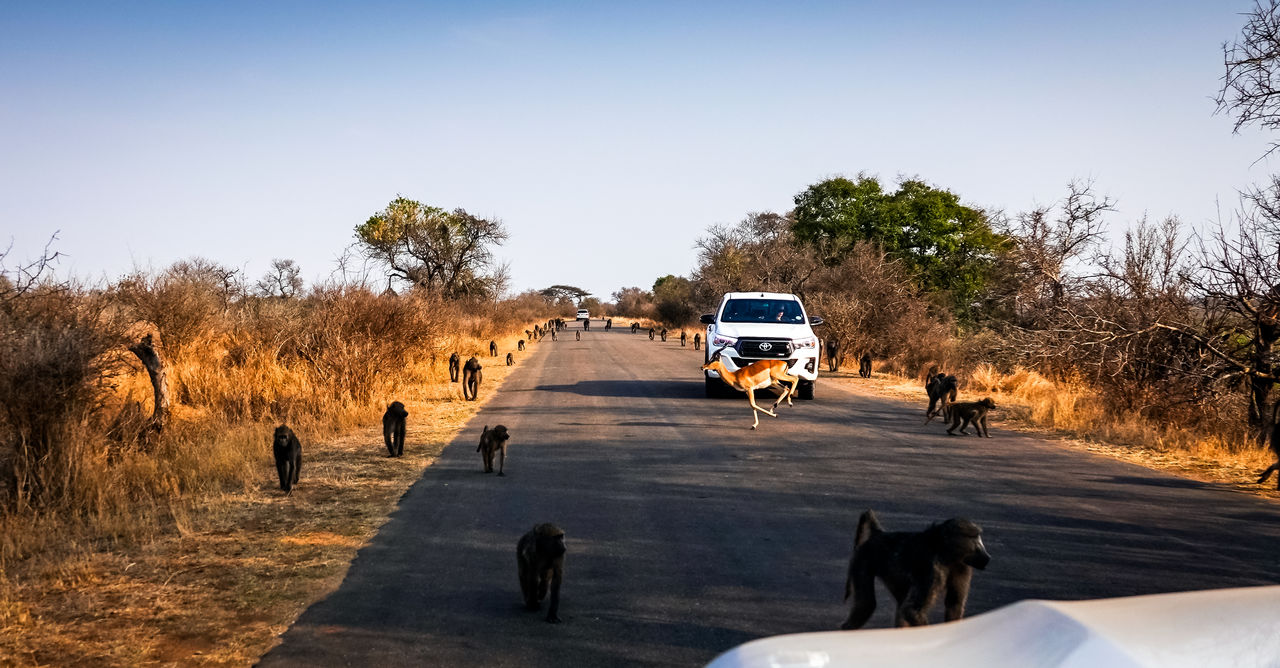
x=577 y=336
x=972 y=413
x=697 y=341
x=287 y=450
x=864 y=365
x=393 y=425
x=493 y=349
x=455 y=366
x=471 y=377
x=683 y=338
x=635 y=327
x=915 y=566
x=942 y=390
x=493 y=442
x=1275 y=447
x=528 y=334
x=833 y=355
x=664 y=334
x=540 y=565
x=520 y=345
x=511 y=359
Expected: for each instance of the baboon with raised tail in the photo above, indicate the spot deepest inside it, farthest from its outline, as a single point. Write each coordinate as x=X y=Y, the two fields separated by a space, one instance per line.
x=917 y=567
x=471 y=377
x=393 y=427
x=540 y=566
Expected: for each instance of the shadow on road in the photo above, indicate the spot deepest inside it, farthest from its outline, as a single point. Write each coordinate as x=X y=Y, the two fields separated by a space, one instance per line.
x=678 y=389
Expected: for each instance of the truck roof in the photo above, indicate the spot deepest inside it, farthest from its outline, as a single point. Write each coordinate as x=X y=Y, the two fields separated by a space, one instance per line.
x=760 y=295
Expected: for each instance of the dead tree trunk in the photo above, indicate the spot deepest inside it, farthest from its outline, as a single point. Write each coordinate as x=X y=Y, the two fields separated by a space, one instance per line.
x=150 y=359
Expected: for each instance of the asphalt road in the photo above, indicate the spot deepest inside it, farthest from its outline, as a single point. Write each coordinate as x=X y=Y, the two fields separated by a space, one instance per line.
x=689 y=534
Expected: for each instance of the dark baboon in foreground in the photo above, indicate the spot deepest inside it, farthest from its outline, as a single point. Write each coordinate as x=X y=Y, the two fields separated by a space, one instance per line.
x=577 y=336
x=540 y=564
x=288 y=453
x=511 y=359
x=635 y=326
x=471 y=378
x=941 y=389
x=393 y=423
x=493 y=441
x=520 y=345
x=493 y=349
x=972 y=413
x=864 y=365
x=697 y=341
x=683 y=338
x=1275 y=447
x=915 y=566
x=608 y=324
x=455 y=365
x=664 y=334
x=833 y=355
x=651 y=333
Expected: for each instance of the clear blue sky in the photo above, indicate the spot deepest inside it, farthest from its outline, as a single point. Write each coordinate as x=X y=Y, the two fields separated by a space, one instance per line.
x=607 y=138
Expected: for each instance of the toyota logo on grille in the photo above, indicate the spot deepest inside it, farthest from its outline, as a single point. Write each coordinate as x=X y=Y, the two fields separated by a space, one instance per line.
x=766 y=346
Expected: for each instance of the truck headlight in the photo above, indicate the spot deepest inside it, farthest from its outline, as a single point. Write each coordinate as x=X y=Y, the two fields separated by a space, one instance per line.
x=810 y=342
x=723 y=340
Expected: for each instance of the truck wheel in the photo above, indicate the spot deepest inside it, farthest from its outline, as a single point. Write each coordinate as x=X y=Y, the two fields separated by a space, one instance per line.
x=805 y=390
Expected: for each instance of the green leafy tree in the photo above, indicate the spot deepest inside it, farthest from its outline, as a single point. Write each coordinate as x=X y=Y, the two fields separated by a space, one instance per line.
x=445 y=252
x=674 y=297
x=948 y=246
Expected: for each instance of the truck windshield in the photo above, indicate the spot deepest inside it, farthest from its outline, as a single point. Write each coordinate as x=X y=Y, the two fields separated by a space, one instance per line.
x=762 y=310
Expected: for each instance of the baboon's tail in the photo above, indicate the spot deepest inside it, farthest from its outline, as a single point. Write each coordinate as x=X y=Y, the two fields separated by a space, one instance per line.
x=868 y=526
x=482 y=435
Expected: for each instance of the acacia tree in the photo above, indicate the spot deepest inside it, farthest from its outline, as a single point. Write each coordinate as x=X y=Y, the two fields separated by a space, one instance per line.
x=449 y=253
x=1251 y=83
x=283 y=280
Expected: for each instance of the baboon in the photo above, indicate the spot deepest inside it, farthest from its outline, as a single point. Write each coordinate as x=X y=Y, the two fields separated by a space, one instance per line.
x=915 y=566
x=932 y=373
x=608 y=324
x=635 y=326
x=393 y=428
x=577 y=336
x=697 y=341
x=528 y=334
x=664 y=334
x=520 y=345
x=833 y=355
x=971 y=412
x=586 y=325
x=493 y=441
x=455 y=365
x=540 y=565
x=683 y=337
x=288 y=453
x=864 y=365
x=511 y=359
x=941 y=388
x=553 y=334
x=493 y=349
x=1275 y=447
x=651 y=333
x=471 y=377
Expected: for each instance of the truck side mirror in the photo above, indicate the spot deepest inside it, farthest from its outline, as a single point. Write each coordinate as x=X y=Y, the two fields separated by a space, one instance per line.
x=708 y=318
x=816 y=320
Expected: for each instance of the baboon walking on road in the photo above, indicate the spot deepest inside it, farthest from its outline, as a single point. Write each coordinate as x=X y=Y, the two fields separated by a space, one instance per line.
x=511 y=359
x=635 y=326
x=553 y=334
x=651 y=333
x=393 y=426
x=683 y=338
x=540 y=565
x=864 y=365
x=664 y=334
x=455 y=365
x=493 y=349
x=577 y=336
x=833 y=355
x=941 y=389
x=287 y=450
x=971 y=412
x=697 y=341
x=915 y=566
x=471 y=378
x=493 y=442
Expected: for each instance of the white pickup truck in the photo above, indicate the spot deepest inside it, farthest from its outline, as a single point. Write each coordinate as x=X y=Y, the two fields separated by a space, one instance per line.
x=751 y=326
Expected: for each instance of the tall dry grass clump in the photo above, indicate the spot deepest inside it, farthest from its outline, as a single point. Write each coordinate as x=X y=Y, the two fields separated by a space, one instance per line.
x=75 y=450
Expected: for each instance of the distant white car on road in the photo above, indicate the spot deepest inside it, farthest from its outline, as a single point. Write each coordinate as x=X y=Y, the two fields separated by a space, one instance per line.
x=584 y=314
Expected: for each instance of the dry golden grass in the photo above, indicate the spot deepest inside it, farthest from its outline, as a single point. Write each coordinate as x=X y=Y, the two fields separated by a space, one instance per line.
x=211 y=576
x=1075 y=415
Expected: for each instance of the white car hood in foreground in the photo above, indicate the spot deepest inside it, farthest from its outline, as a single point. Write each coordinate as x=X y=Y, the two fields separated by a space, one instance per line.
x=1222 y=627
x=763 y=329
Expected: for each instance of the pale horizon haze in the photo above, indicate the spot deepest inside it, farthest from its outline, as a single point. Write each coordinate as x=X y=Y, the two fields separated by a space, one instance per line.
x=607 y=137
